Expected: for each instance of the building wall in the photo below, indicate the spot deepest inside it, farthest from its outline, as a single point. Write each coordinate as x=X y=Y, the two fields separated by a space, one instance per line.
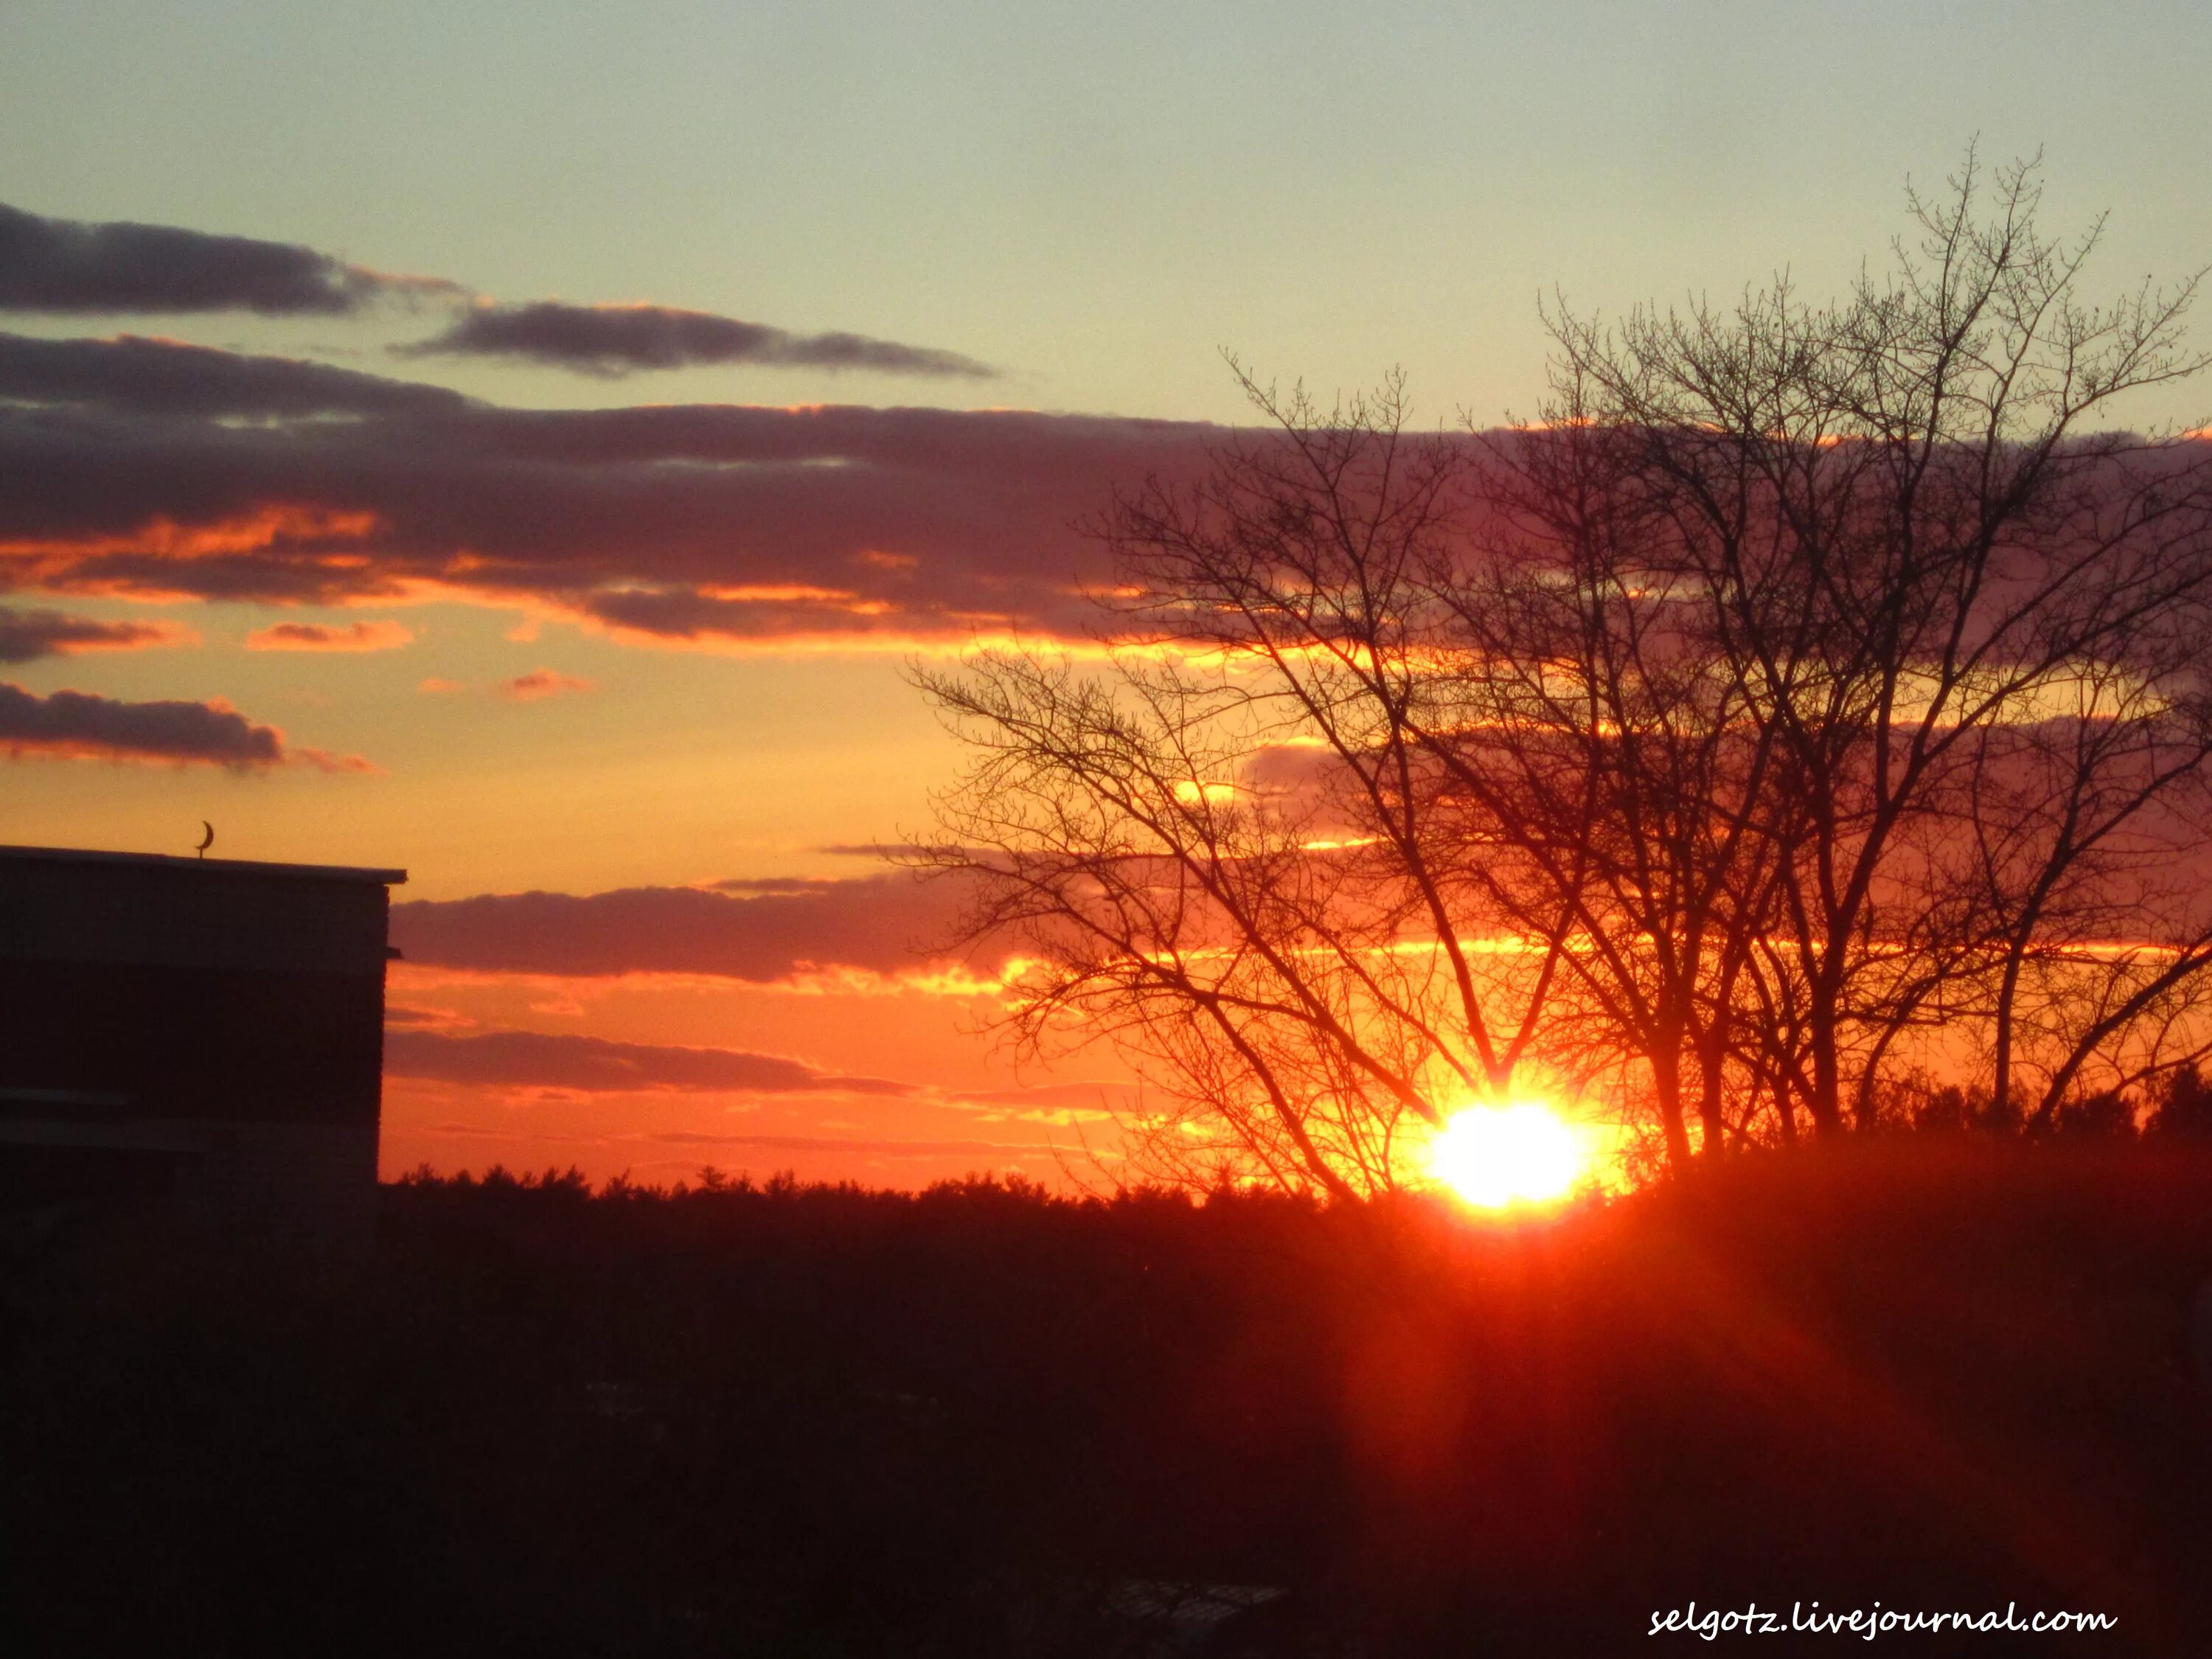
x=214 y=1032
x=159 y=1040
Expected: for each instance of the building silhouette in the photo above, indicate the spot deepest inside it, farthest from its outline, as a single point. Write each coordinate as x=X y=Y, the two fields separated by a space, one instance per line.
x=202 y=1038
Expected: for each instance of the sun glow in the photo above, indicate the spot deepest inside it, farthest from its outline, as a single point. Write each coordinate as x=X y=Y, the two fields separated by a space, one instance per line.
x=1495 y=1157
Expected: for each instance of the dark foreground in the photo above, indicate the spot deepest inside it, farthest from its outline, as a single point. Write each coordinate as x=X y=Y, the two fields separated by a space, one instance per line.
x=806 y=1421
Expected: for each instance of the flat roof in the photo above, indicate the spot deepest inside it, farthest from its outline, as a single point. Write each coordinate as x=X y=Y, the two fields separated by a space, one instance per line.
x=236 y=867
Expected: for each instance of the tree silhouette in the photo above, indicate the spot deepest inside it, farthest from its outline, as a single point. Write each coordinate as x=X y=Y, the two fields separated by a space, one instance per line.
x=1806 y=696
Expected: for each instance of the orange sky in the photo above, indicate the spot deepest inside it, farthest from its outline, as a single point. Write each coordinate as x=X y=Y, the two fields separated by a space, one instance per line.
x=641 y=670
x=584 y=558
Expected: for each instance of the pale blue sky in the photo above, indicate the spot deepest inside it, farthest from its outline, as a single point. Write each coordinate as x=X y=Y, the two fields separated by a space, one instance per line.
x=1096 y=196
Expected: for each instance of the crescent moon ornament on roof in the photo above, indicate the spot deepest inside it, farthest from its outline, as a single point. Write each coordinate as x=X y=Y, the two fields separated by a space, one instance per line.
x=206 y=841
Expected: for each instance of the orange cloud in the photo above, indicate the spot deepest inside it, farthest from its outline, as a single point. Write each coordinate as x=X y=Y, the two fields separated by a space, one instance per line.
x=272 y=524
x=323 y=760
x=317 y=636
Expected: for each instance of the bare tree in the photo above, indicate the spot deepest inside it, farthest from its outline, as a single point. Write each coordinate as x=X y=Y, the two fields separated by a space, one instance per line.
x=1917 y=550
x=1231 y=850
x=1809 y=694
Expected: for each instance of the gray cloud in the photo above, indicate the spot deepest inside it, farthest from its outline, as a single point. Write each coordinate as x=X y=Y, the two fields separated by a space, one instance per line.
x=73 y=267
x=171 y=377
x=27 y=635
x=616 y=340
x=138 y=467
x=78 y=723
x=599 y=1065
x=882 y=924
x=68 y=265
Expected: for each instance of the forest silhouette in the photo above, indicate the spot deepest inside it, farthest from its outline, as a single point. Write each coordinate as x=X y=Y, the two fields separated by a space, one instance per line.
x=1945 y=1367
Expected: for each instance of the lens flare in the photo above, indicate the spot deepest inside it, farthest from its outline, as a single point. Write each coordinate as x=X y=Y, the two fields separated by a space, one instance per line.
x=1495 y=1157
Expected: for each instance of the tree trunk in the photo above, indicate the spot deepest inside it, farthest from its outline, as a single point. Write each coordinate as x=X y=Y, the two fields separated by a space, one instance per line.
x=1825 y=1105
x=1667 y=1088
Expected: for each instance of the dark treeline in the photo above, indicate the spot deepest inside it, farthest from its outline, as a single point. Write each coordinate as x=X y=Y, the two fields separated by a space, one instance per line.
x=2174 y=1109
x=1944 y=1371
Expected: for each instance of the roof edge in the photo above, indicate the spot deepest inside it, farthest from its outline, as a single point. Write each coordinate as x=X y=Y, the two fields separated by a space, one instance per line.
x=239 y=866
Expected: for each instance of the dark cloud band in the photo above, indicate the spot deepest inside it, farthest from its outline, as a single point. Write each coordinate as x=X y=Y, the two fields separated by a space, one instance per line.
x=146 y=377
x=68 y=265
x=143 y=469
x=599 y=1065
x=883 y=924
x=615 y=340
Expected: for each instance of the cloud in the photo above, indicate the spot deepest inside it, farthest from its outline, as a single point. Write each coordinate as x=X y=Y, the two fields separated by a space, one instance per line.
x=79 y=724
x=68 y=265
x=612 y=340
x=316 y=637
x=27 y=635
x=435 y=687
x=143 y=375
x=884 y=924
x=398 y=1014
x=142 y=469
x=541 y=683
x=600 y=1066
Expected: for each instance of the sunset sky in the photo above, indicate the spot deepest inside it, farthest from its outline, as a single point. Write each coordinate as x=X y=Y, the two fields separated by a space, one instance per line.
x=526 y=445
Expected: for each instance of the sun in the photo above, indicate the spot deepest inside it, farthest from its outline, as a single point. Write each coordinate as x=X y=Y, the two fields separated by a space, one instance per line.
x=1495 y=1157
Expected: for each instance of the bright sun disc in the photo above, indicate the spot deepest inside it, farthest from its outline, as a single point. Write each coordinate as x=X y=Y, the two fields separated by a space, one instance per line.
x=1493 y=1157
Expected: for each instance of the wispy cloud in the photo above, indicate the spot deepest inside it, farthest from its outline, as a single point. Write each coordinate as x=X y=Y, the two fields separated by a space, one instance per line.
x=359 y=637
x=600 y=1066
x=613 y=340
x=540 y=683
